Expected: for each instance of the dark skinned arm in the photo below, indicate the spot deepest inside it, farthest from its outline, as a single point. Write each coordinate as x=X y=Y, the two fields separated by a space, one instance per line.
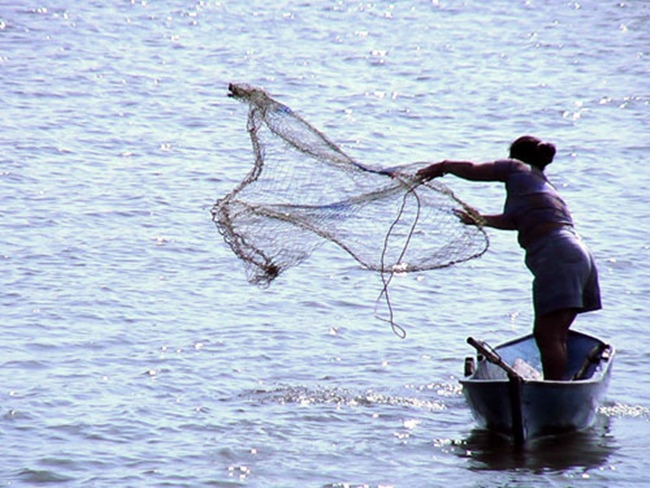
x=462 y=169
x=468 y=170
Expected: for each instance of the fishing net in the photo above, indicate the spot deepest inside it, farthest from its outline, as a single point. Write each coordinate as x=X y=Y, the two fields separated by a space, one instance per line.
x=304 y=191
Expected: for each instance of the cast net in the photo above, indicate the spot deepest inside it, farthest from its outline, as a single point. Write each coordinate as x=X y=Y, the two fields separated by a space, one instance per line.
x=303 y=191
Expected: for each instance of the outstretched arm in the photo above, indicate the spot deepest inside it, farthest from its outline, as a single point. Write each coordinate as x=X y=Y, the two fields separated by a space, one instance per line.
x=474 y=172
x=498 y=221
x=463 y=169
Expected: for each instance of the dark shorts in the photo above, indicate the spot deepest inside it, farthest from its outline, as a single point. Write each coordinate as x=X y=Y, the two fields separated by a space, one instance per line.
x=565 y=273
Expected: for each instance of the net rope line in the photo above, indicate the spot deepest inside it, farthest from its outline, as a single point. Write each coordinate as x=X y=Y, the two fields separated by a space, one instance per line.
x=397 y=329
x=303 y=191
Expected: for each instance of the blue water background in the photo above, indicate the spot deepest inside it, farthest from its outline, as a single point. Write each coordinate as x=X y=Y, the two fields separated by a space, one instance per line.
x=132 y=350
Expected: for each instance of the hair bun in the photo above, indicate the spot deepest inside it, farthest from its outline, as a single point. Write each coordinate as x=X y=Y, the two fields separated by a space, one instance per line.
x=533 y=151
x=546 y=151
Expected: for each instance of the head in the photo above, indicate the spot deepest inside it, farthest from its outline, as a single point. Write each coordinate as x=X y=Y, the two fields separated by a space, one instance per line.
x=533 y=151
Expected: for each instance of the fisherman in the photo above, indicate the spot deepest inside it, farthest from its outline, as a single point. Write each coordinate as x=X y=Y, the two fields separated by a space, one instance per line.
x=565 y=275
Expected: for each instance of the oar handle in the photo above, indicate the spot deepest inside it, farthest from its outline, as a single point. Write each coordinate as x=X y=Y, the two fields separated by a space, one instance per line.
x=492 y=356
x=594 y=357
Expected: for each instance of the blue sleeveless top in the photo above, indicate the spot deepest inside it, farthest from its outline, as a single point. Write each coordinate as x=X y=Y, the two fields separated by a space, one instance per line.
x=531 y=199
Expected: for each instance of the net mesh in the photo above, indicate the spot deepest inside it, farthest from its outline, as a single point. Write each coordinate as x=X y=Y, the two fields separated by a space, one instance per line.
x=304 y=191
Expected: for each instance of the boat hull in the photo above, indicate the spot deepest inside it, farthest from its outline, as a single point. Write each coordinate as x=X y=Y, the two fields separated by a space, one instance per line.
x=528 y=409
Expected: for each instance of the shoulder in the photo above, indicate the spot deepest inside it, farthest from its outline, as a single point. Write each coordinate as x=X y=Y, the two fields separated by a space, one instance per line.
x=511 y=165
x=506 y=167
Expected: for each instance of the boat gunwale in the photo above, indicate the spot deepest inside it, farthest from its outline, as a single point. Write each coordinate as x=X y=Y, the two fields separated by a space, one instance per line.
x=596 y=377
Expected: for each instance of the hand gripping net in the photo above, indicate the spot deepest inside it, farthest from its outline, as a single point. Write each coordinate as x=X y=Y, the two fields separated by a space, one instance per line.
x=304 y=191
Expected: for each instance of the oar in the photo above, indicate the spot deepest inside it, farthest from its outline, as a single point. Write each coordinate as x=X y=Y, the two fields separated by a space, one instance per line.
x=594 y=357
x=515 y=381
x=492 y=356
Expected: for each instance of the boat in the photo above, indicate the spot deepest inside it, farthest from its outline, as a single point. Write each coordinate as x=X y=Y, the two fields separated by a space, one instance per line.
x=507 y=394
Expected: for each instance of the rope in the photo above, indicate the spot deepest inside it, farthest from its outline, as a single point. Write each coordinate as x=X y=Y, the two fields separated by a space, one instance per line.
x=397 y=329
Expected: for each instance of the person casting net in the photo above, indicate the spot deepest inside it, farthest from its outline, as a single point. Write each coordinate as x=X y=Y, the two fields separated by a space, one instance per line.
x=303 y=191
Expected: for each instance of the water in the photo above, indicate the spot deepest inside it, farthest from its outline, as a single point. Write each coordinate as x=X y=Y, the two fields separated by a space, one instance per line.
x=134 y=353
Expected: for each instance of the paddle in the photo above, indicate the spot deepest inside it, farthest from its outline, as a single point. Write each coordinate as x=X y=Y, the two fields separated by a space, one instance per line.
x=492 y=356
x=594 y=357
x=514 y=388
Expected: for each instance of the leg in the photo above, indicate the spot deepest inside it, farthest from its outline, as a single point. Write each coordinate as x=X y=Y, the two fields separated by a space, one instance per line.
x=551 y=335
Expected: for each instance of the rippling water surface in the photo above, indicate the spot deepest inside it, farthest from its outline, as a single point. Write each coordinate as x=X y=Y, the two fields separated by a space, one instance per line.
x=134 y=353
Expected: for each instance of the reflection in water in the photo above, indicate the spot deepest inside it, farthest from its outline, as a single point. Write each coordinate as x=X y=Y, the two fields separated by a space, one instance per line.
x=587 y=449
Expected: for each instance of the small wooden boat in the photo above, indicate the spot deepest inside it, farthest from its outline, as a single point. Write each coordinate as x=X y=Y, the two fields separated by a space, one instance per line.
x=507 y=394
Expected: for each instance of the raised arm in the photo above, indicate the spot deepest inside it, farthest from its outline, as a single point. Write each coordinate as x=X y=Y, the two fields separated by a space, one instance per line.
x=463 y=169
